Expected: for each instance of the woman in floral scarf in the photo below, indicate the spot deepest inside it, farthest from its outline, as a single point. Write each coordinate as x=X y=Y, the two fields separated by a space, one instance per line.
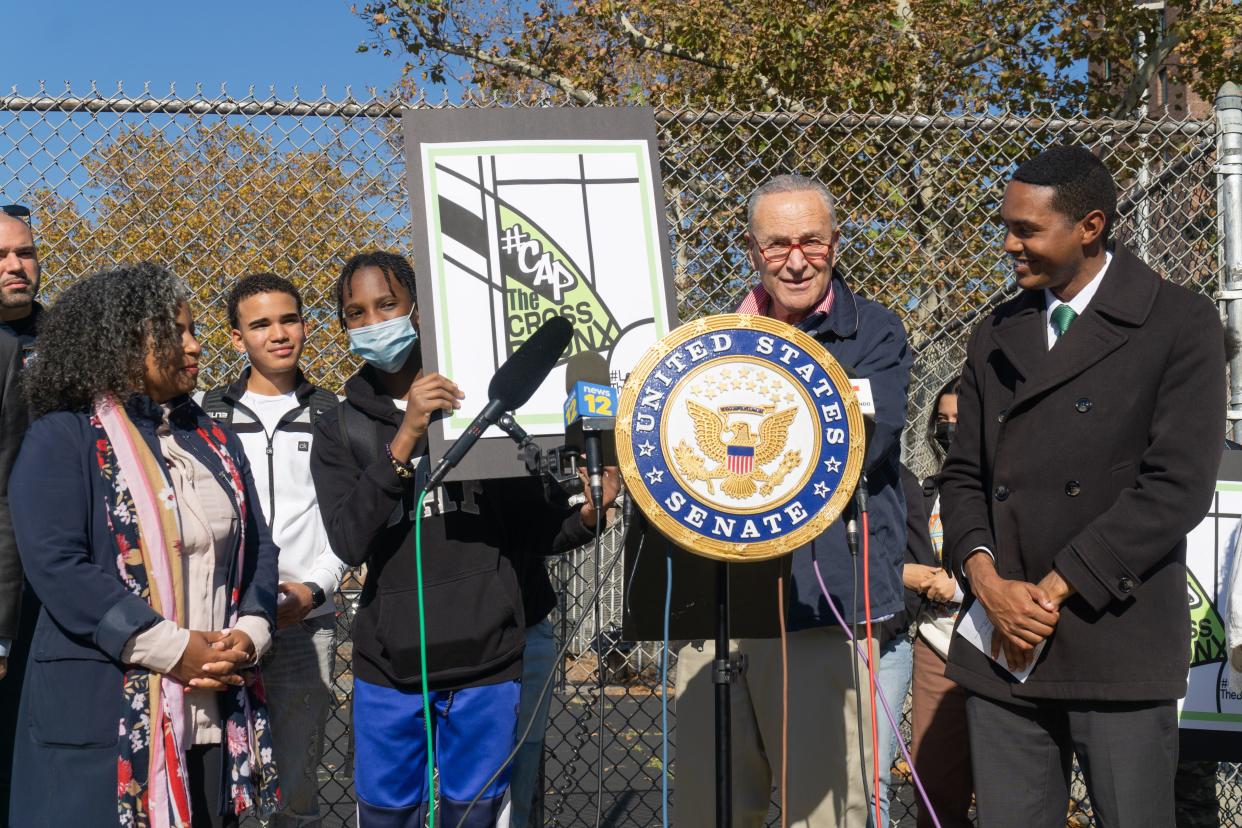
x=133 y=516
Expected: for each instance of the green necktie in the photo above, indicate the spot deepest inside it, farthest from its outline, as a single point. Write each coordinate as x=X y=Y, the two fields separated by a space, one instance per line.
x=1062 y=317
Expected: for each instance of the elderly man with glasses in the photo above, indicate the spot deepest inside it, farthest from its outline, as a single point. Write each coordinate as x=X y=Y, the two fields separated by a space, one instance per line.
x=793 y=242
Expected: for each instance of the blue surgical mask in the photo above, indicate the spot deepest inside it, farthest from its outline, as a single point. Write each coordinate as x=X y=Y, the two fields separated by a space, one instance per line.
x=387 y=344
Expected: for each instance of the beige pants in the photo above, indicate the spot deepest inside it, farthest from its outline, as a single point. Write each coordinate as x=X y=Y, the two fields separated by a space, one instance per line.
x=825 y=773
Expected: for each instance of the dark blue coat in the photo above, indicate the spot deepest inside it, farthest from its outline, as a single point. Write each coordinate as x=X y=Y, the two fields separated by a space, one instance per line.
x=869 y=342
x=64 y=769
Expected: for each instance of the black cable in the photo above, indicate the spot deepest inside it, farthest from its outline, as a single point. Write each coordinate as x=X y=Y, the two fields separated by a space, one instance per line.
x=627 y=514
x=599 y=673
x=851 y=536
x=547 y=686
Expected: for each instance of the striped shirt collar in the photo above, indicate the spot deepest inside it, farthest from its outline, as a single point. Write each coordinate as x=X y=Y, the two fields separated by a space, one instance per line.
x=759 y=301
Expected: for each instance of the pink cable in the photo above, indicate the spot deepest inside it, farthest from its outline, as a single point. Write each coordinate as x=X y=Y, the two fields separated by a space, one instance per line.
x=888 y=713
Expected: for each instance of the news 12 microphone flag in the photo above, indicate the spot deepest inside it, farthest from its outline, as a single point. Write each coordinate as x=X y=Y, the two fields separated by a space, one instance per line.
x=589 y=399
x=521 y=215
x=739 y=437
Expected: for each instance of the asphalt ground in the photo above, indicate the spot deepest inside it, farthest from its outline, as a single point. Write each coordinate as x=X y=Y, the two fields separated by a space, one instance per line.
x=632 y=766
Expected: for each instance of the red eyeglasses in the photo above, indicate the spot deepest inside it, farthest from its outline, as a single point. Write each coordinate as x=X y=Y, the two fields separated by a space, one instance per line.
x=778 y=252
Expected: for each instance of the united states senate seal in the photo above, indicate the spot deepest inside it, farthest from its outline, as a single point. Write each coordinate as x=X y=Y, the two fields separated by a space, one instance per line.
x=739 y=437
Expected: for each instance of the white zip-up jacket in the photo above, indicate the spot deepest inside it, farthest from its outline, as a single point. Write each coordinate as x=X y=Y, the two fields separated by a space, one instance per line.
x=279 y=452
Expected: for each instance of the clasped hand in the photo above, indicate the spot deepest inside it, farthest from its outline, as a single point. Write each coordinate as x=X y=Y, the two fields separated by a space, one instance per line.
x=213 y=660
x=1023 y=614
x=931 y=581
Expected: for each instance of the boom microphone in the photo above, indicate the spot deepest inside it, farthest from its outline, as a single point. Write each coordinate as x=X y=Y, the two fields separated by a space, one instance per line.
x=511 y=387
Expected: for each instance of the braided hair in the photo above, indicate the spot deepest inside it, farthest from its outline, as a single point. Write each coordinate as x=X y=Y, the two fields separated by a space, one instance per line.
x=392 y=265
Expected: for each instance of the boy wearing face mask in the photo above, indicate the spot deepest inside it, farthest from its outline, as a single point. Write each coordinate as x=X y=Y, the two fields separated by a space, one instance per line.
x=370 y=464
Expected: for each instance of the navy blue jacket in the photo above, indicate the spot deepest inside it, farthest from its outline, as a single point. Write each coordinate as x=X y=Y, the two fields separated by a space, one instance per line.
x=64 y=769
x=869 y=342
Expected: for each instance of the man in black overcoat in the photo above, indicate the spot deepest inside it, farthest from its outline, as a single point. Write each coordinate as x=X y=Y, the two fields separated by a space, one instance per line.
x=19 y=608
x=1090 y=426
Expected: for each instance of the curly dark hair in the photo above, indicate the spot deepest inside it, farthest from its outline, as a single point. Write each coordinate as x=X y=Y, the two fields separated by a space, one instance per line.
x=252 y=285
x=95 y=337
x=393 y=266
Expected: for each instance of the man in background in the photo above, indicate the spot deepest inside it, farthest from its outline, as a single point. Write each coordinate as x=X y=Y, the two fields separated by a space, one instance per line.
x=19 y=608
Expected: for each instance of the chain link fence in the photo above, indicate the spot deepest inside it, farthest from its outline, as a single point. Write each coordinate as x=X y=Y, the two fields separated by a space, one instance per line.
x=215 y=186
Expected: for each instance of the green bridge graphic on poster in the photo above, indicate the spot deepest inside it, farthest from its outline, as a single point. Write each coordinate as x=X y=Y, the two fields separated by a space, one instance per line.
x=540 y=281
x=1210 y=704
x=1207 y=629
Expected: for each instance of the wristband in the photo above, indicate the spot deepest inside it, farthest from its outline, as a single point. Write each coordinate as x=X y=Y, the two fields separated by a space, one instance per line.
x=404 y=470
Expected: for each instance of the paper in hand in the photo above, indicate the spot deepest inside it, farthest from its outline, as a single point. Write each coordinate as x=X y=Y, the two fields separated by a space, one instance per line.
x=977 y=628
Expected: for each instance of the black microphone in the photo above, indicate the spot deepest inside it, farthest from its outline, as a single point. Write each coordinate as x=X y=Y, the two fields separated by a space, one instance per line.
x=590 y=413
x=512 y=385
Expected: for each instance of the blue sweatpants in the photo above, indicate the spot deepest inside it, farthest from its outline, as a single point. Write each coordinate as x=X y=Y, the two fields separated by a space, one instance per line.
x=473 y=732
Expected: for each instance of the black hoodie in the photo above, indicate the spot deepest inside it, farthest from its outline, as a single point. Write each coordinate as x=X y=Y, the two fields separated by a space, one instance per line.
x=476 y=536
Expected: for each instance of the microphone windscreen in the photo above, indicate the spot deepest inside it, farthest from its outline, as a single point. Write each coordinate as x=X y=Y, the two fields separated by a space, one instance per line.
x=586 y=366
x=522 y=374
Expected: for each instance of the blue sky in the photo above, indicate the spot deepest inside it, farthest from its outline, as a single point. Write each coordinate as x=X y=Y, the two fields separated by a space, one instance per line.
x=261 y=42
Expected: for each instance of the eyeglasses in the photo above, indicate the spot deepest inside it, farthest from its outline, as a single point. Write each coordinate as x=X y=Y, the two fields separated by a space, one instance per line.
x=15 y=210
x=813 y=251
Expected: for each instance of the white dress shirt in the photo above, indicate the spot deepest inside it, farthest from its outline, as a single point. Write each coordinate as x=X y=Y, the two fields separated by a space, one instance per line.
x=1078 y=304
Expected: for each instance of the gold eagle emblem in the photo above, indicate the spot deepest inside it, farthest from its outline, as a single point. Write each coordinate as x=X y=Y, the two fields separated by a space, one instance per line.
x=740 y=459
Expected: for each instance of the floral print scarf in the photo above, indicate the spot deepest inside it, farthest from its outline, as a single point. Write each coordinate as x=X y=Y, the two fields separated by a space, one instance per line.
x=141 y=509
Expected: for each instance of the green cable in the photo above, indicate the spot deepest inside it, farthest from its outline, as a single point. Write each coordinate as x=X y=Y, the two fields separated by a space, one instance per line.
x=422 y=657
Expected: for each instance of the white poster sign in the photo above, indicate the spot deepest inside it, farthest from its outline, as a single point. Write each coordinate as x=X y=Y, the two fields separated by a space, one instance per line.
x=1210 y=716
x=523 y=215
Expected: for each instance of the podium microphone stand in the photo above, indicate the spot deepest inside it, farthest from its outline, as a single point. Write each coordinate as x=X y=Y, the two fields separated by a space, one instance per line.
x=661 y=405
x=722 y=676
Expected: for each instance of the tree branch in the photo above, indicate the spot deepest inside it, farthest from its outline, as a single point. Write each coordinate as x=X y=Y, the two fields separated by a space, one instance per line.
x=998 y=40
x=979 y=52
x=647 y=43
x=1143 y=75
x=506 y=63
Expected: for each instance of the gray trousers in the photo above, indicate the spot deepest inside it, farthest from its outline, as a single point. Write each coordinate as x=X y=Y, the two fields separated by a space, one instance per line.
x=297 y=676
x=538 y=662
x=825 y=772
x=1022 y=757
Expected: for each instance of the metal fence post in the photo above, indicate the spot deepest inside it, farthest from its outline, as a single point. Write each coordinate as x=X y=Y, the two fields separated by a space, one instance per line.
x=1229 y=195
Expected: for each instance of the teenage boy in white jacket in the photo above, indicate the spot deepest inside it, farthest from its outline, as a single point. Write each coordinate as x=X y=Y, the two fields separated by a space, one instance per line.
x=272 y=408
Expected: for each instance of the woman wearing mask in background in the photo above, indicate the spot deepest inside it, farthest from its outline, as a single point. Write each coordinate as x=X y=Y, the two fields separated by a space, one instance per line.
x=369 y=461
x=158 y=580
x=939 y=744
